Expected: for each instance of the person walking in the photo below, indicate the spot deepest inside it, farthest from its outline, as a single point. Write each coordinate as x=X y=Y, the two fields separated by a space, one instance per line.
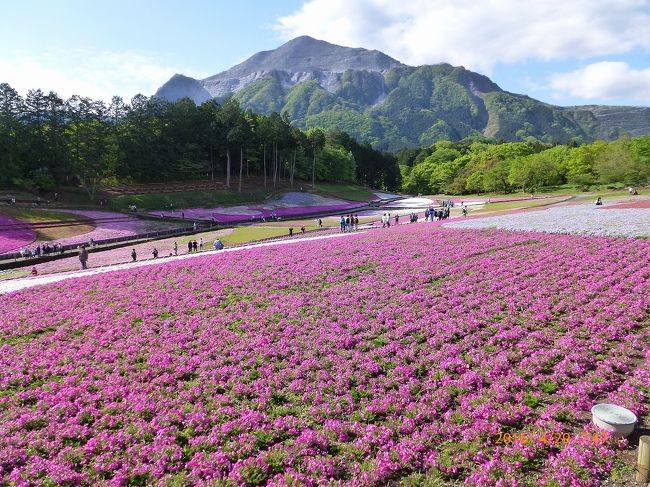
x=134 y=256
x=83 y=258
x=342 y=223
x=201 y=244
x=189 y=247
x=356 y=222
x=155 y=253
x=195 y=246
x=302 y=229
x=397 y=219
x=175 y=248
x=320 y=223
x=291 y=231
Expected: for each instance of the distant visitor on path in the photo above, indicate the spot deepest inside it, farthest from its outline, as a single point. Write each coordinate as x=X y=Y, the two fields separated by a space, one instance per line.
x=175 y=248
x=83 y=257
x=218 y=244
x=302 y=229
x=34 y=271
x=320 y=223
x=195 y=246
x=291 y=231
x=201 y=244
x=155 y=253
x=599 y=201
x=134 y=256
x=189 y=247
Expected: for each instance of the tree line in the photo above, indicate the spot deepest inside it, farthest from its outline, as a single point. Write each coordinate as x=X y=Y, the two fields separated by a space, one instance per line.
x=48 y=142
x=479 y=166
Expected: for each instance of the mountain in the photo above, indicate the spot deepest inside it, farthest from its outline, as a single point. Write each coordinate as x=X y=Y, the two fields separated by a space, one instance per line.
x=376 y=98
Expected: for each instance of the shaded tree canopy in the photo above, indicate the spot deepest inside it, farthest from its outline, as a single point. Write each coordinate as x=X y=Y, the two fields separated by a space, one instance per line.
x=46 y=142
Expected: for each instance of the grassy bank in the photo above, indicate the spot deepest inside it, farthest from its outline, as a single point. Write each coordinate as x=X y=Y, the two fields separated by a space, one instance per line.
x=187 y=199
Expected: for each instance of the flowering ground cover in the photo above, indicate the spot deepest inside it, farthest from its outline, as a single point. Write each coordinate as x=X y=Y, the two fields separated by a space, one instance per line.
x=11 y=238
x=101 y=258
x=586 y=219
x=640 y=203
x=46 y=225
x=289 y=205
x=390 y=356
x=112 y=225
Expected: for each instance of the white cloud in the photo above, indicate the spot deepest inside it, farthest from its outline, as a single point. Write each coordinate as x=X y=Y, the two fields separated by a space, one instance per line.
x=91 y=73
x=604 y=80
x=477 y=34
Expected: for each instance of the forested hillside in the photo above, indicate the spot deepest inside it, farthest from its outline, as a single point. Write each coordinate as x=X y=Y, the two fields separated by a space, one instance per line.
x=46 y=141
x=461 y=168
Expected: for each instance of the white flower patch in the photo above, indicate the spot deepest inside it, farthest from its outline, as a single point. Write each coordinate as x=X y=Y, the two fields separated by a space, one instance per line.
x=578 y=219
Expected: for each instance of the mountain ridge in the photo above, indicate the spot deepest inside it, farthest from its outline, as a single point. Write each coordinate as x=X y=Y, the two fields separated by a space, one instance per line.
x=377 y=98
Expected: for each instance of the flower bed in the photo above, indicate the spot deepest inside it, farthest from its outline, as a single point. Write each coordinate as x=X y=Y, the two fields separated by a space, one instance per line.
x=112 y=225
x=579 y=219
x=294 y=212
x=379 y=357
x=11 y=239
x=290 y=205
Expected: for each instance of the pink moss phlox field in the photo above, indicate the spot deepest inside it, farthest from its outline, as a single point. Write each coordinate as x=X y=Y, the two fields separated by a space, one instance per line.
x=110 y=225
x=257 y=212
x=379 y=357
x=12 y=238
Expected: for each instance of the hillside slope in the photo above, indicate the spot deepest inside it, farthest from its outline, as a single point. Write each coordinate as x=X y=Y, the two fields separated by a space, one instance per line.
x=376 y=98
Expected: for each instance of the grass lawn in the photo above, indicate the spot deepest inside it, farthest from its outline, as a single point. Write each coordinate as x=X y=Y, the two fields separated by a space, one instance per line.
x=242 y=235
x=33 y=215
x=594 y=191
x=188 y=199
x=15 y=273
x=509 y=205
x=350 y=192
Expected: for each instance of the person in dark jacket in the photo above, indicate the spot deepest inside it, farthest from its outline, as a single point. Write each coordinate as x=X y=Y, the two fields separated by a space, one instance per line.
x=83 y=257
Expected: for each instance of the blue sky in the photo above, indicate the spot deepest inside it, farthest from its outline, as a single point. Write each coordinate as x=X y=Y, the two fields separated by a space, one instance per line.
x=564 y=52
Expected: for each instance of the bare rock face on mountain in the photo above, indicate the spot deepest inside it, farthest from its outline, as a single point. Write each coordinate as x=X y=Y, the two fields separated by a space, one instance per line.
x=376 y=98
x=180 y=86
x=300 y=59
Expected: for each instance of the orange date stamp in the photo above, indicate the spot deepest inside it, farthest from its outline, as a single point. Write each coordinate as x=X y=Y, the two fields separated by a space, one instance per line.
x=550 y=438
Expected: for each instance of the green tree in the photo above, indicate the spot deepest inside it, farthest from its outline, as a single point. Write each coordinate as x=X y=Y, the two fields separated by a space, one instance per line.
x=316 y=138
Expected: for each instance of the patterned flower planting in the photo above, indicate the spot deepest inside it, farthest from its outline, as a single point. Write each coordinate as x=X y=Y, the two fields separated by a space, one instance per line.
x=12 y=239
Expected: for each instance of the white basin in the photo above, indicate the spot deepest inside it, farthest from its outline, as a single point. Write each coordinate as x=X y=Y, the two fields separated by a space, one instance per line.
x=615 y=419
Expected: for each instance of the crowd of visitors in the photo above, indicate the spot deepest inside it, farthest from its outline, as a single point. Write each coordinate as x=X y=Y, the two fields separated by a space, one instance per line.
x=436 y=214
x=41 y=249
x=349 y=223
